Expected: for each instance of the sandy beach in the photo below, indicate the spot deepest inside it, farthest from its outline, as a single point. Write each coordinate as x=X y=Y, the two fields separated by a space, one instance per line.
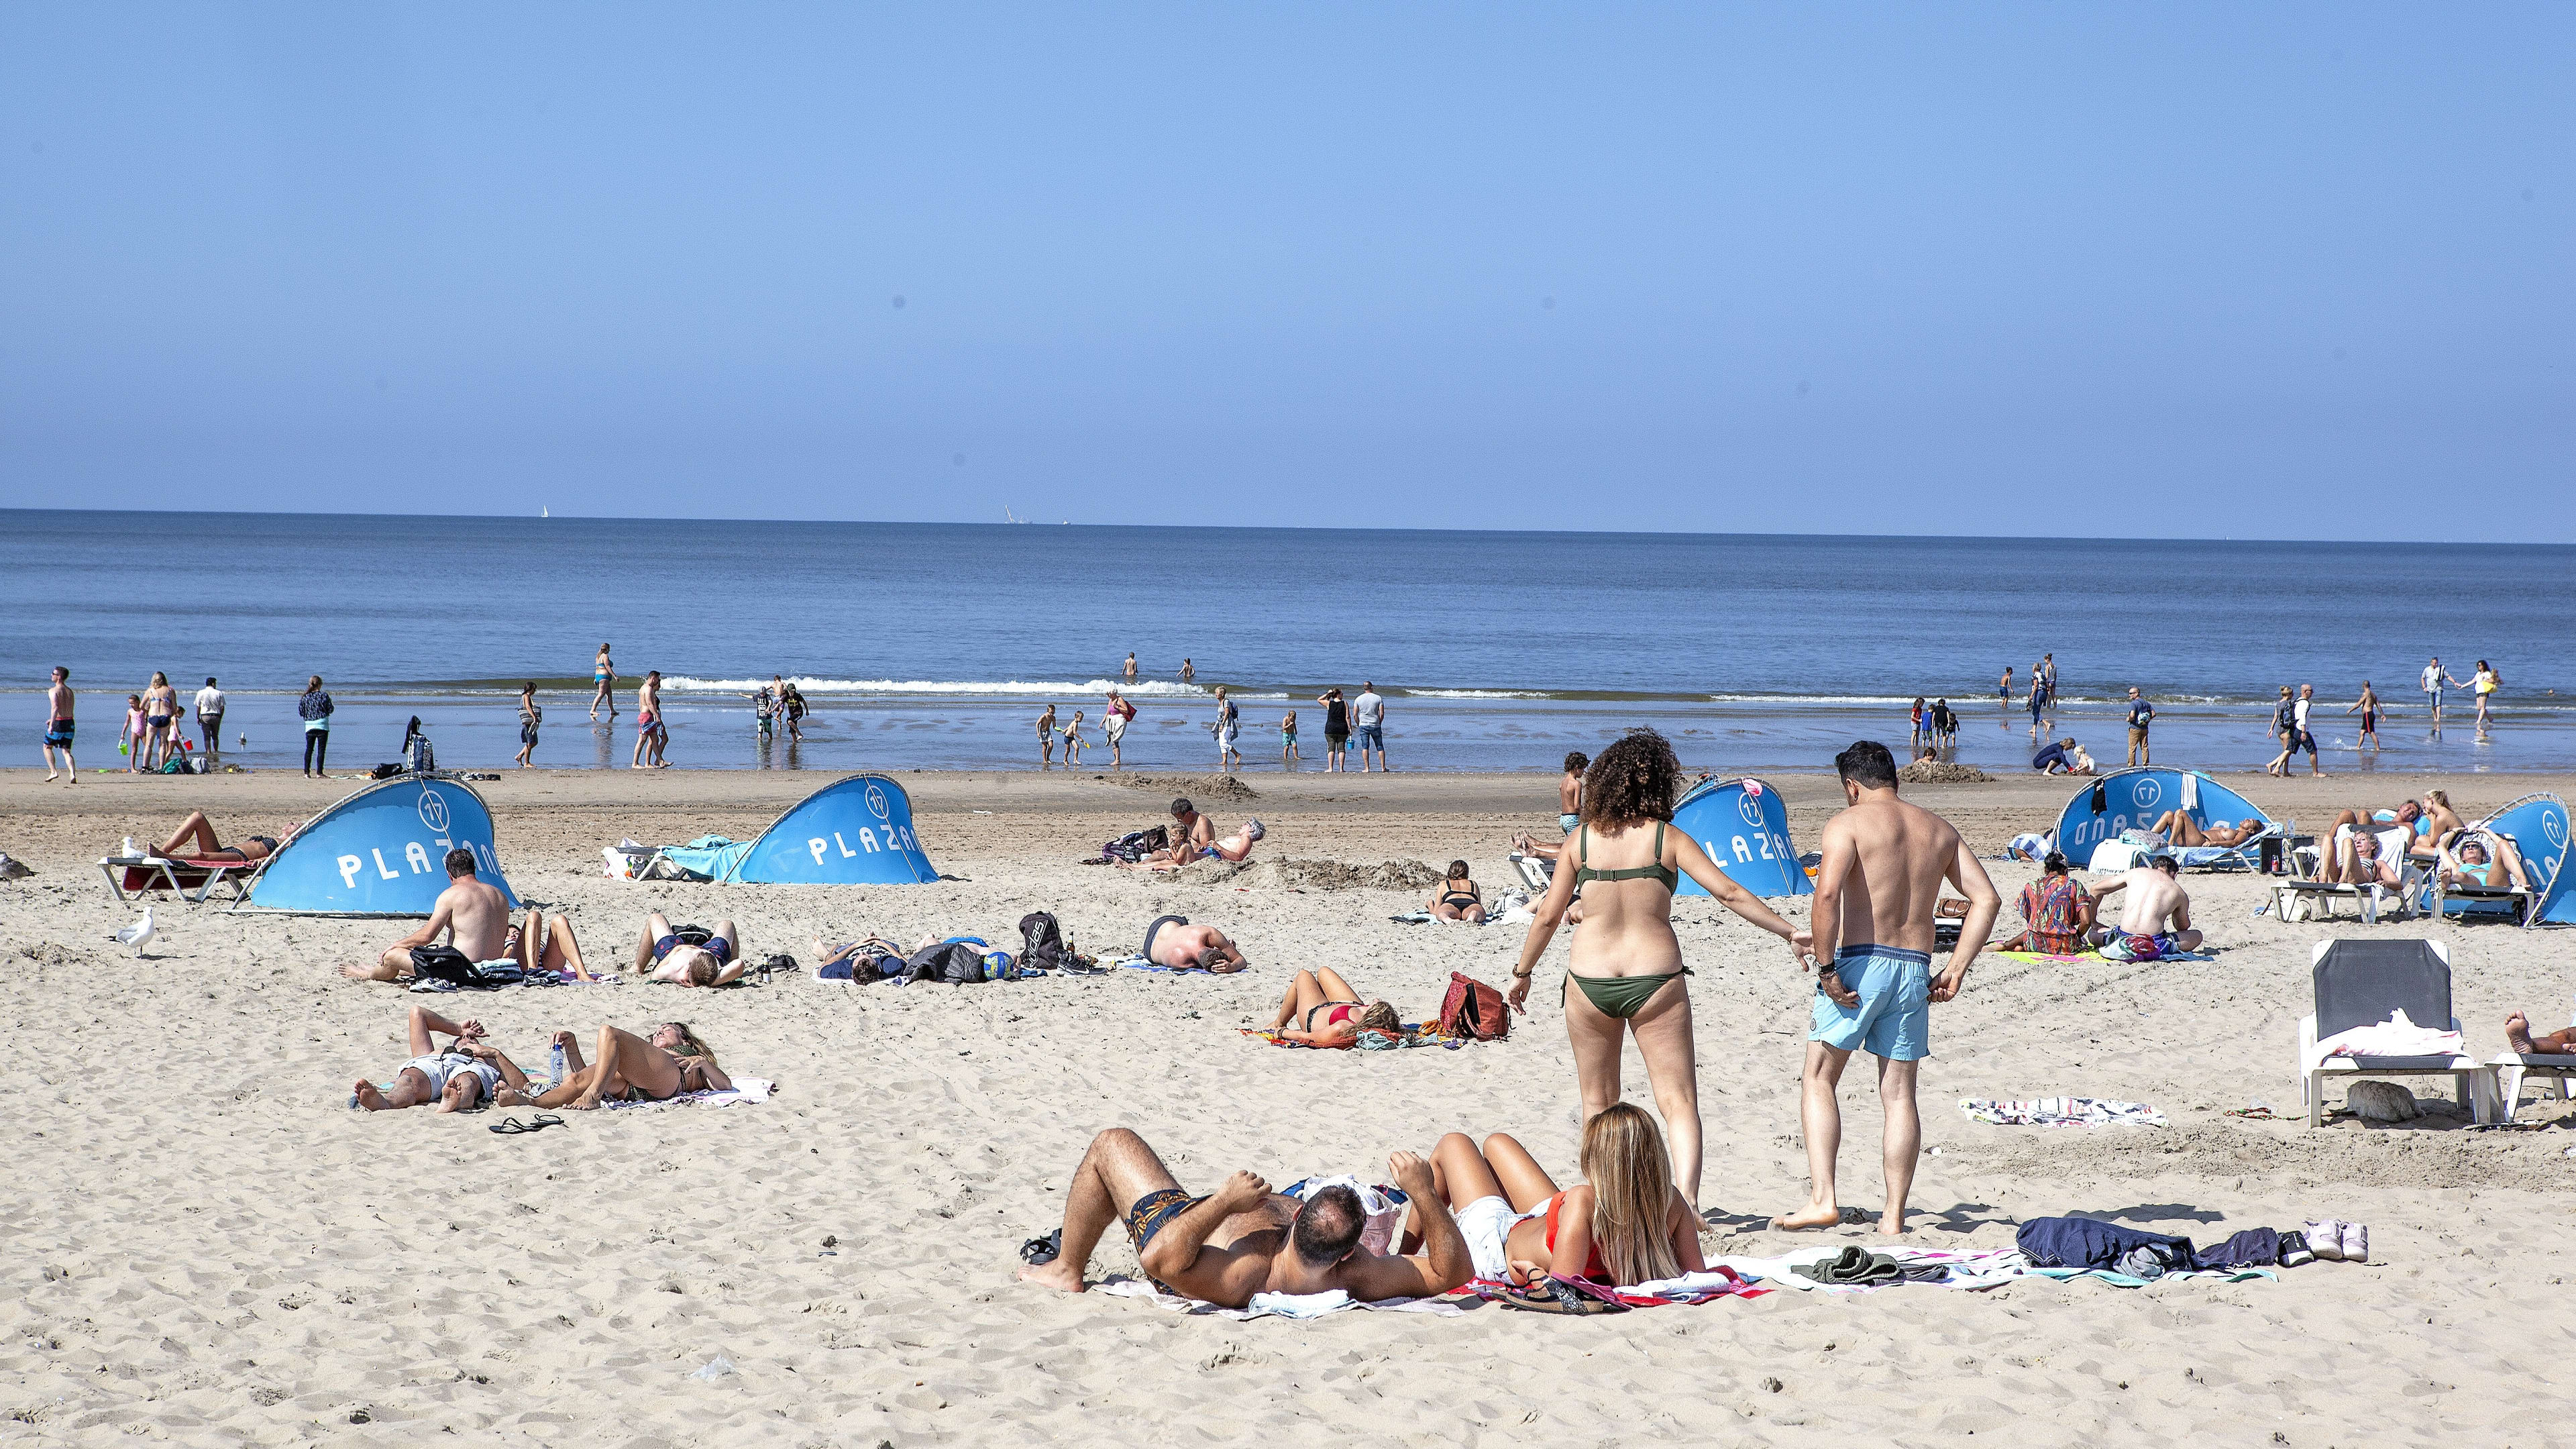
x=205 y=1246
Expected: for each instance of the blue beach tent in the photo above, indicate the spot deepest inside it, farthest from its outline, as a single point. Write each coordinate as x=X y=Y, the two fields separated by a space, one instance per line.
x=856 y=831
x=380 y=852
x=1744 y=827
x=2537 y=825
x=2132 y=799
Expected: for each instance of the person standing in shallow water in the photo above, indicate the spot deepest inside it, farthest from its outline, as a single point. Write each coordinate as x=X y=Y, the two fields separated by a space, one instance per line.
x=1625 y=973
x=1877 y=889
x=603 y=676
x=1046 y=739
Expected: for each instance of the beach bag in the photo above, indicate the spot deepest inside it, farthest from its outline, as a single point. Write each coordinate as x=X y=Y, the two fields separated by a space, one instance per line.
x=1474 y=1011
x=446 y=963
x=1041 y=942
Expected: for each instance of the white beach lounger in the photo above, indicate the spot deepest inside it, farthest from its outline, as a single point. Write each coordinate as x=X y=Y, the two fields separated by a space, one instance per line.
x=1532 y=871
x=130 y=876
x=2513 y=1068
x=2303 y=897
x=2360 y=983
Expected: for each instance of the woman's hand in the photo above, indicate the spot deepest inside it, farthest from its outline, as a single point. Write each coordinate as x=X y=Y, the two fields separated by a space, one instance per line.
x=1518 y=996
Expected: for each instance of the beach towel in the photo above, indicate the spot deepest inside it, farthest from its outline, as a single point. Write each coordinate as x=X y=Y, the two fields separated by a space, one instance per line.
x=2062 y=1112
x=1277 y=1305
x=1415 y=1034
x=746 y=1091
x=2045 y=958
x=1706 y=1286
x=2396 y=1037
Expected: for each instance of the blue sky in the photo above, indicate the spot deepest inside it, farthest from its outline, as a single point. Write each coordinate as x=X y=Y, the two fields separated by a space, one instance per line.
x=2283 y=270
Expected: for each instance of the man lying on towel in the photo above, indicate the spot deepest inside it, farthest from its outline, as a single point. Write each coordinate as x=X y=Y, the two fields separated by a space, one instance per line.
x=682 y=963
x=1172 y=941
x=1245 y=1239
x=474 y=916
x=469 y=1073
x=2153 y=907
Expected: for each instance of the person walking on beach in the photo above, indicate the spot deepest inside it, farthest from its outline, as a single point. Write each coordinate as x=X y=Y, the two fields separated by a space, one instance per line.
x=1625 y=974
x=791 y=708
x=1113 y=726
x=1368 y=712
x=1922 y=724
x=2284 y=727
x=2038 y=699
x=2486 y=680
x=1046 y=739
x=1128 y=671
x=2295 y=735
x=210 y=719
x=315 y=710
x=161 y=721
x=1337 y=727
x=2141 y=715
x=2433 y=679
x=2370 y=709
x=651 y=735
x=530 y=716
x=1877 y=887
x=1073 y=741
x=1229 y=726
x=59 y=724
x=2048 y=668
x=130 y=744
x=1569 y=792
x=603 y=674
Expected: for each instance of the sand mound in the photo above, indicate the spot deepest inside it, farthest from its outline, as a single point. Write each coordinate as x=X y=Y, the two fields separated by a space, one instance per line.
x=1199 y=788
x=1934 y=772
x=1320 y=875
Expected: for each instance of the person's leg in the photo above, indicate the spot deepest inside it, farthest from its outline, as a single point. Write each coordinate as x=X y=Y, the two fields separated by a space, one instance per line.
x=1442 y=910
x=2519 y=1036
x=732 y=938
x=195 y=828
x=1903 y=1141
x=322 y=752
x=1335 y=988
x=1524 y=1182
x=1663 y=1032
x=2187 y=940
x=1461 y=1175
x=624 y=1058
x=655 y=928
x=1116 y=1170
x=411 y=1089
x=551 y=946
x=1304 y=994
x=1597 y=1039
x=1820 y=1117
x=393 y=965
x=1473 y=915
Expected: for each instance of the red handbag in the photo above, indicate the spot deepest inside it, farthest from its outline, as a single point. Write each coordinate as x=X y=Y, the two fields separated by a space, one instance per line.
x=1474 y=1010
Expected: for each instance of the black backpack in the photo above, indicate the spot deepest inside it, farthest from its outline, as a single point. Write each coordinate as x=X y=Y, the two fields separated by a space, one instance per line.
x=1041 y=943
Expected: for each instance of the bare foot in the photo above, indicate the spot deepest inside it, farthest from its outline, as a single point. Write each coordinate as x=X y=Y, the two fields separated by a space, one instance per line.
x=1060 y=1275
x=368 y=1096
x=49 y=779
x=1885 y=1229
x=586 y=1102
x=359 y=973
x=1808 y=1217
x=2517 y=1033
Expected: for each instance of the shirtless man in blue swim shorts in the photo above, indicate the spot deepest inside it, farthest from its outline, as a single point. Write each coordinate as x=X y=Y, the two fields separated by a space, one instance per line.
x=1884 y=865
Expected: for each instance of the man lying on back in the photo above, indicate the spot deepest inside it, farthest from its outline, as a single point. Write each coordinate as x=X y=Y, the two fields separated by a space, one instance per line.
x=1245 y=1239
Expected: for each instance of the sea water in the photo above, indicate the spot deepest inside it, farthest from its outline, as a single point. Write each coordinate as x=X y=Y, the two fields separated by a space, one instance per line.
x=934 y=646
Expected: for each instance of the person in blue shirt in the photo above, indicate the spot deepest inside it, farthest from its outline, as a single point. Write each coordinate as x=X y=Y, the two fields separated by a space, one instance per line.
x=2062 y=757
x=2140 y=714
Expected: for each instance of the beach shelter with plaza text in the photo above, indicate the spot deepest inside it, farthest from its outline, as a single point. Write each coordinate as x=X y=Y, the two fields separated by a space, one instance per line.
x=380 y=852
x=2134 y=799
x=856 y=831
x=1744 y=827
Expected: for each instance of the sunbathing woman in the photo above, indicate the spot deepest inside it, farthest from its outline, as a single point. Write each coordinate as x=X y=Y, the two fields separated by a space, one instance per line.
x=632 y=1068
x=1459 y=899
x=1328 y=1013
x=201 y=831
x=1624 y=1224
x=1625 y=975
x=2178 y=828
x=2468 y=863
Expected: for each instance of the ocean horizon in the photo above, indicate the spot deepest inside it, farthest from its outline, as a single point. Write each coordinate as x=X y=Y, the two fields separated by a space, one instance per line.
x=935 y=645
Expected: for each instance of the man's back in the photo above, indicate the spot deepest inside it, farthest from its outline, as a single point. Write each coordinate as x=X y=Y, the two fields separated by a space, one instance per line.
x=1900 y=854
x=2150 y=901
x=479 y=917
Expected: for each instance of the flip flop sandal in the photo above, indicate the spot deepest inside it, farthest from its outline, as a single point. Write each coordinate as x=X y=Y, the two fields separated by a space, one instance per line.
x=1038 y=1252
x=513 y=1127
x=1555 y=1295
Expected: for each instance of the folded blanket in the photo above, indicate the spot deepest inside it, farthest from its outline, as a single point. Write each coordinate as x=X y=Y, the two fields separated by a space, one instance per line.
x=2395 y=1037
x=2062 y=1112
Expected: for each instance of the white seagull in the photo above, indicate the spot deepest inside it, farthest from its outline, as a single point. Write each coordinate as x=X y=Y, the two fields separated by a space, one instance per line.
x=137 y=935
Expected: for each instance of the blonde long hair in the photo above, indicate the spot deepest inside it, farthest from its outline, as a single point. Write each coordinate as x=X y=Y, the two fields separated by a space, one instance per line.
x=1632 y=1195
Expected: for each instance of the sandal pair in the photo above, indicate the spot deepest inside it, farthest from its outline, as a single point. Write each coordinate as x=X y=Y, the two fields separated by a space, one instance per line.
x=513 y=1127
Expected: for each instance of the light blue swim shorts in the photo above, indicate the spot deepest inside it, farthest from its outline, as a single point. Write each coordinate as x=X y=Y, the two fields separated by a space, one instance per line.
x=1893 y=1018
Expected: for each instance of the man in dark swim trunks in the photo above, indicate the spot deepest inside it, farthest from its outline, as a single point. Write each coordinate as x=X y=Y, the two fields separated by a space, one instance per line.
x=1245 y=1239
x=1172 y=941
x=58 y=724
x=683 y=963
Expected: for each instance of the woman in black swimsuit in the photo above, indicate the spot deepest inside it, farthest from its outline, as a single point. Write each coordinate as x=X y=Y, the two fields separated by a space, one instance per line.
x=1459 y=899
x=198 y=831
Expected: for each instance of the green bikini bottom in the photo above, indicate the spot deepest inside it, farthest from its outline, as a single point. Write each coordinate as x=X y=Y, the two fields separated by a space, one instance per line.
x=1622 y=996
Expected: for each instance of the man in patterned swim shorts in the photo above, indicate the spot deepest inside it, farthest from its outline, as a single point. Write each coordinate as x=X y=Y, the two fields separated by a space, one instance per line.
x=1243 y=1238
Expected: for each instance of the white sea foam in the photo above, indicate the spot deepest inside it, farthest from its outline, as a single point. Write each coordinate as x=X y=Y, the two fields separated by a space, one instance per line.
x=1476 y=694
x=1142 y=689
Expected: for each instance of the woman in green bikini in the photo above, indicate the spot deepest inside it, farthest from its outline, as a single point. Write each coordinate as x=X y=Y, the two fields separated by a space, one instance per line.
x=1626 y=971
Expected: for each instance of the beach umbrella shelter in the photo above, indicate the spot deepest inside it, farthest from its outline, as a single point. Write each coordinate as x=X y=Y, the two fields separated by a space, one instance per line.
x=2537 y=825
x=1744 y=827
x=2133 y=799
x=380 y=852
x=856 y=831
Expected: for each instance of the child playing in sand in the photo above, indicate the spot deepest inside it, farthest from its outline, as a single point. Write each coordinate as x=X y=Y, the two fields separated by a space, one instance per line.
x=1073 y=740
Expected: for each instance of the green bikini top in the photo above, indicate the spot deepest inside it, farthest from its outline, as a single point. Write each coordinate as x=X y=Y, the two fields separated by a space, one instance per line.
x=1658 y=871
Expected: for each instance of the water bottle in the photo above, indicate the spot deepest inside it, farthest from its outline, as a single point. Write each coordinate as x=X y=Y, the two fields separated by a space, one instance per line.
x=559 y=1064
